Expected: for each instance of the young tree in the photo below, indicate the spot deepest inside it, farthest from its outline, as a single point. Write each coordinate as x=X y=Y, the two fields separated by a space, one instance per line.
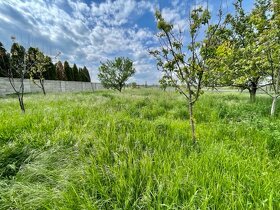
x=114 y=74
x=185 y=69
x=18 y=67
x=38 y=62
x=133 y=85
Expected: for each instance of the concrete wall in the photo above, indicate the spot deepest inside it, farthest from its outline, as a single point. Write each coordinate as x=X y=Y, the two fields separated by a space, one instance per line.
x=50 y=86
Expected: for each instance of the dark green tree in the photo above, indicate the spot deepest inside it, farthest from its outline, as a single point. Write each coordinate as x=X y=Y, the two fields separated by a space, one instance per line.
x=4 y=61
x=86 y=74
x=114 y=74
x=68 y=71
x=50 y=73
x=81 y=75
x=75 y=73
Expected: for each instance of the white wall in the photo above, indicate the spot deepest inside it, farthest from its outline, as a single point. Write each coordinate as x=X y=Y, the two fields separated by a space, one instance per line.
x=50 y=86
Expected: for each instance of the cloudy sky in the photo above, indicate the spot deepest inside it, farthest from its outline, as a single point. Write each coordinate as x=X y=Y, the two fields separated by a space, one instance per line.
x=89 y=31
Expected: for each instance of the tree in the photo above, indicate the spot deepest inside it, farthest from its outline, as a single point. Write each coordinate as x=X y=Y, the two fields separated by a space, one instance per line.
x=81 y=76
x=18 y=67
x=60 y=74
x=133 y=85
x=68 y=71
x=114 y=74
x=185 y=69
x=163 y=83
x=38 y=62
x=266 y=20
x=240 y=54
x=84 y=74
x=75 y=73
x=272 y=44
x=50 y=73
x=17 y=61
x=4 y=61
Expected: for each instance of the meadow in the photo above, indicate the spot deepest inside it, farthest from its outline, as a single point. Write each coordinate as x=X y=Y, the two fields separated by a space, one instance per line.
x=133 y=150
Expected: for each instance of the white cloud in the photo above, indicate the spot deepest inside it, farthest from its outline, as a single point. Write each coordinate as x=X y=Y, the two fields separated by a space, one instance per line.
x=85 y=34
x=89 y=33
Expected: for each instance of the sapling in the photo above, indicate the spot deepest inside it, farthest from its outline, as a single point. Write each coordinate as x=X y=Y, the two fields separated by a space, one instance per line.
x=182 y=65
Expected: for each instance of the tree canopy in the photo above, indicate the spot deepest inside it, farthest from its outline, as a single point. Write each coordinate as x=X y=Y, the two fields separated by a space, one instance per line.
x=113 y=74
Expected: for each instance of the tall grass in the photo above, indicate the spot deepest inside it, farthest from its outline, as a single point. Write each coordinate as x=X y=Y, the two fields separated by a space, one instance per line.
x=133 y=150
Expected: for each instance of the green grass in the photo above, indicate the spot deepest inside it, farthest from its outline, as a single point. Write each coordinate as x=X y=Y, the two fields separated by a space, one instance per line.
x=133 y=150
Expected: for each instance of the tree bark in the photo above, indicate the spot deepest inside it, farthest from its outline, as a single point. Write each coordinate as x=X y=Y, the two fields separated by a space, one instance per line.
x=21 y=104
x=273 y=106
x=253 y=92
x=192 y=124
x=42 y=86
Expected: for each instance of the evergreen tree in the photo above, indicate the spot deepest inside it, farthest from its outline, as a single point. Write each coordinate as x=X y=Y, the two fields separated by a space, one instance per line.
x=4 y=61
x=75 y=73
x=81 y=75
x=60 y=74
x=68 y=71
x=86 y=73
x=50 y=73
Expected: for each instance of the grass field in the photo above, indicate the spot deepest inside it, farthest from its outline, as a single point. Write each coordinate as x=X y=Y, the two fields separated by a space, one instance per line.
x=132 y=150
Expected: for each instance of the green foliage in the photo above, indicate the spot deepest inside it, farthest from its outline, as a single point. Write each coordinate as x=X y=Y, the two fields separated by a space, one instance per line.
x=84 y=74
x=238 y=53
x=17 y=63
x=60 y=73
x=76 y=75
x=114 y=74
x=163 y=83
x=4 y=61
x=181 y=63
x=37 y=62
x=104 y=150
x=38 y=65
x=50 y=73
x=68 y=71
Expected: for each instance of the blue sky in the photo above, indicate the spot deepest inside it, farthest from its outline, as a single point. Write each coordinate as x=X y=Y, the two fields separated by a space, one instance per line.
x=89 y=31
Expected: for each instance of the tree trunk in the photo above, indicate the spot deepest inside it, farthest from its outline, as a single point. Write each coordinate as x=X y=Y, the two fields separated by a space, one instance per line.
x=192 y=124
x=21 y=104
x=253 y=91
x=273 y=106
x=43 y=87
